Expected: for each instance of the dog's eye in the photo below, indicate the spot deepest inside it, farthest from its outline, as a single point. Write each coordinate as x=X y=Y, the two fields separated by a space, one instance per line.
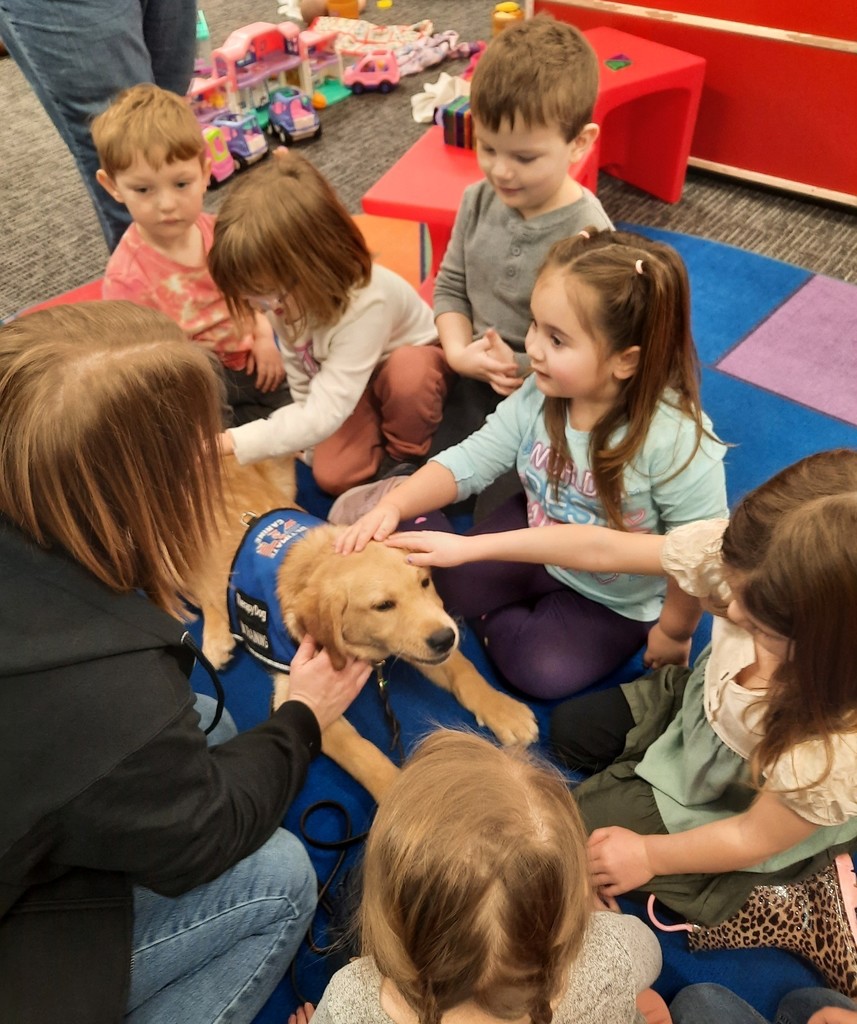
x=384 y=606
x=425 y=582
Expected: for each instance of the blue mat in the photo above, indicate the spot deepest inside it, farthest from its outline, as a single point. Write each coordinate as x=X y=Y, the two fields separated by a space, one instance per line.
x=733 y=292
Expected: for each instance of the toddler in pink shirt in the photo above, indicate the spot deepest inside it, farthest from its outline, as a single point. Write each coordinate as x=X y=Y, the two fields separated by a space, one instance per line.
x=153 y=160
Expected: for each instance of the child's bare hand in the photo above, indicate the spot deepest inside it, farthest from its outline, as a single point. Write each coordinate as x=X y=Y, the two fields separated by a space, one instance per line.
x=484 y=359
x=618 y=860
x=664 y=650
x=265 y=360
x=430 y=547
x=377 y=524
x=302 y=1014
x=503 y=383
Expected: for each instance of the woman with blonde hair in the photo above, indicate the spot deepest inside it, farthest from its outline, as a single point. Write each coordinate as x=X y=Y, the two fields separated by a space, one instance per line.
x=144 y=874
x=477 y=904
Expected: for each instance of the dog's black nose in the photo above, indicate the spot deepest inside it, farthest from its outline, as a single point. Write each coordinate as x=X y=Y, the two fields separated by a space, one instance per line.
x=442 y=640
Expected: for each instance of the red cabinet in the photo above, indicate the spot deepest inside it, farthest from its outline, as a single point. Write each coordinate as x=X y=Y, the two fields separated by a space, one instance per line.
x=779 y=102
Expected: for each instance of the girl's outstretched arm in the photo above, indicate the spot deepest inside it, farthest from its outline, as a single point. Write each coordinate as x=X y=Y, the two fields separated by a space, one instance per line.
x=621 y=860
x=670 y=638
x=589 y=548
x=430 y=488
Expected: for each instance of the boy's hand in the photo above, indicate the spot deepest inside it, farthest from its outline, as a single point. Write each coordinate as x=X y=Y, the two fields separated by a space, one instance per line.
x=432 y=547
x=504 y=384
x=663 y=649
x=618 y=860
x=377 y=524
x=265 y=360
x=491 y=360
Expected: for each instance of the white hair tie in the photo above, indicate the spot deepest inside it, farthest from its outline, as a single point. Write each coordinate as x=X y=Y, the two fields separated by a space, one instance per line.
x=585 y=233
x=638 y=266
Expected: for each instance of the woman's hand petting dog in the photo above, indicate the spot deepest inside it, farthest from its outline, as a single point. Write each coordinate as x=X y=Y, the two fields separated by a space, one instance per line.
x=324 y=689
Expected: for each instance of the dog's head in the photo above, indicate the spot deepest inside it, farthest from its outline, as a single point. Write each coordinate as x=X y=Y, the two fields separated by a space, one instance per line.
x=368 y=605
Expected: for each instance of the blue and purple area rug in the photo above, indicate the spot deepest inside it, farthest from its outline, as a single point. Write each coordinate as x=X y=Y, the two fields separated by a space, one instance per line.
x=779 y=351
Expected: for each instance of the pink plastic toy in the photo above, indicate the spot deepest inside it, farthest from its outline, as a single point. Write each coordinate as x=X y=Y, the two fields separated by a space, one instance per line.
x=376 y=70
x=222 y=162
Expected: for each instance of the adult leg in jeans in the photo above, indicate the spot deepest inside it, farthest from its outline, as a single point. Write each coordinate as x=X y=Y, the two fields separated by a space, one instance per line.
x=801 y=1003
x=712 y=1004
x=77 y=54
x=224 y=730
x=217 y=952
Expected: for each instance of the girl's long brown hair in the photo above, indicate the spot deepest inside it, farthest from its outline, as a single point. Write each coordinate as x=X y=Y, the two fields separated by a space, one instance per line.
x=650 y=309
x=475 y=881
x=283 y=231
x=793 y=541
x=109 y=419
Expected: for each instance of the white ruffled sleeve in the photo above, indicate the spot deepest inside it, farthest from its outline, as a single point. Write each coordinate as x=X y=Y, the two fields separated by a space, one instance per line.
x=795 y=778
x=691 y=555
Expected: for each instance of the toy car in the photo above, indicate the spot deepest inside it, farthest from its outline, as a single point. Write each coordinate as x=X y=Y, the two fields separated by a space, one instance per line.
x=375 y=70
x=244 y=138
x=291 y=115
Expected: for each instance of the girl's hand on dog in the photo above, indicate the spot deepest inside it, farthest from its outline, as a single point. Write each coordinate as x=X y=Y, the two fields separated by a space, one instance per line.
x=376 y=524
x=325 y=690
x=432 y=547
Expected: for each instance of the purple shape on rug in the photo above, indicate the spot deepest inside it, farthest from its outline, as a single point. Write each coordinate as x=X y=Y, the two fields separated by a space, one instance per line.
x=806 y=350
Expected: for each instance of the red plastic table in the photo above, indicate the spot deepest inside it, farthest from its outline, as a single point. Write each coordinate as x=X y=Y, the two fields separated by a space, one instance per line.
x=647 y=110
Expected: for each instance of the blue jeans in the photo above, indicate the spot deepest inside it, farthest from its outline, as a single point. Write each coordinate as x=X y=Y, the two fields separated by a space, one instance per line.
x=77 y=54
x=217 y=952
x=713 y=1004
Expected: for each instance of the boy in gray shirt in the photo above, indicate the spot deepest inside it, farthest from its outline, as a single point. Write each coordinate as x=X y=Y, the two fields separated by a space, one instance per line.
x=531 y=100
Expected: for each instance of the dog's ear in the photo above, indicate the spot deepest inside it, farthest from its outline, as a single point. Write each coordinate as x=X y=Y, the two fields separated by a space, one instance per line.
x=321 y=614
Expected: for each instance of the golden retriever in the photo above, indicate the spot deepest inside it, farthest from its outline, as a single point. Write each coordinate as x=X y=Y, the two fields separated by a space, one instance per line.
x=369 y=605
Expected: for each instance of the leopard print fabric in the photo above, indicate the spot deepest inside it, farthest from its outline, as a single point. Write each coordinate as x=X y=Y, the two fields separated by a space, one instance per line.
x=812 y=918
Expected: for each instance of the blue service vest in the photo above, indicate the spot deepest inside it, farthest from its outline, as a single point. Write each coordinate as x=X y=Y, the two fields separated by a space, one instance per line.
x=255 y=618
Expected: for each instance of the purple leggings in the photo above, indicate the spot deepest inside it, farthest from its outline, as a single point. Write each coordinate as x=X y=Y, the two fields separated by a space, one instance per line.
x=546 y=639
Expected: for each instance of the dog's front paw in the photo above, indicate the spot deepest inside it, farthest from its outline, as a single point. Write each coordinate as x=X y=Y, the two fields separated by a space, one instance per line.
x=511 y=721
x=218 y=649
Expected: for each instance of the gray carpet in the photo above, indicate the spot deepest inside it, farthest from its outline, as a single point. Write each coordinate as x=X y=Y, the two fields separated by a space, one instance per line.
x=51 y=240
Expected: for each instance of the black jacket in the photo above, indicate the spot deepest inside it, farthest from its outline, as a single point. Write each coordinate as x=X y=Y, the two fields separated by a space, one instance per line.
x=106 y=781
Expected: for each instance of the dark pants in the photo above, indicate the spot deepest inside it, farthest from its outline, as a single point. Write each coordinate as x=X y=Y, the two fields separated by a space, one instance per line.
x=246 y=402
x=546 y=639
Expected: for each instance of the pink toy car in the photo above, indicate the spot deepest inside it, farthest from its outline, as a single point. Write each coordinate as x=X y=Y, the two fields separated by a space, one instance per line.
x=375 y=70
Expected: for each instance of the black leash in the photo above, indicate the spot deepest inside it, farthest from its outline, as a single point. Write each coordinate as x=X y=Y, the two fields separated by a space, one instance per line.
x=348 y=841
x=189 y=642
